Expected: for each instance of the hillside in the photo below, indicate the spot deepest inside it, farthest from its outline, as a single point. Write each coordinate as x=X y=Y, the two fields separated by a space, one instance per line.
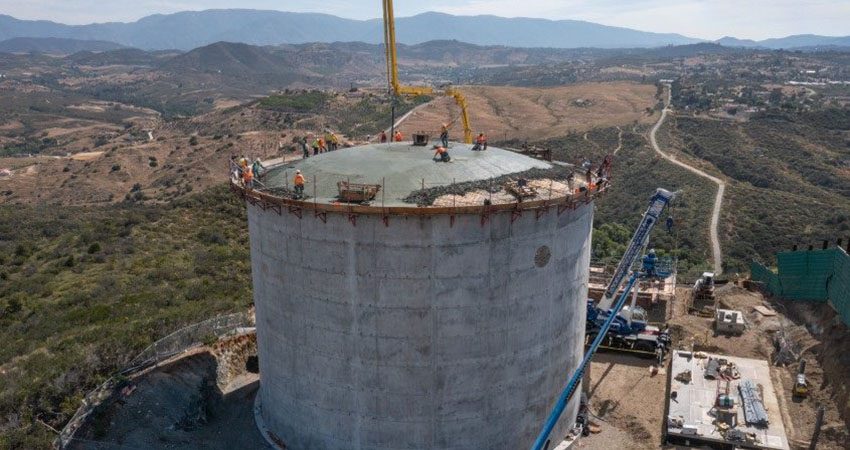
x=56 y=46
x=124 y=56
x=788 y=178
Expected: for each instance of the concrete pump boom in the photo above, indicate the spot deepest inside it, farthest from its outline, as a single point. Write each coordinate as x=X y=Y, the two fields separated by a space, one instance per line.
x=399 y=89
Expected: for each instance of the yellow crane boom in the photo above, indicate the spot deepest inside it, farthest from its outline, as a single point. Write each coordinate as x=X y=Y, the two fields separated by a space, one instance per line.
x=396 y=86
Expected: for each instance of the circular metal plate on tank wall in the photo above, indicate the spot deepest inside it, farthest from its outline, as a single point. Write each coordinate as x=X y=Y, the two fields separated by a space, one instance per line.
x=541 y=258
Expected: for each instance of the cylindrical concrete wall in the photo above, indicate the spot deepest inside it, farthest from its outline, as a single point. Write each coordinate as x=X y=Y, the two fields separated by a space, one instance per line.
x=420 y=334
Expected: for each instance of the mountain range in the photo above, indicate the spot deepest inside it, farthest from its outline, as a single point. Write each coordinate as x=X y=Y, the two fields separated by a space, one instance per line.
x=192 y=29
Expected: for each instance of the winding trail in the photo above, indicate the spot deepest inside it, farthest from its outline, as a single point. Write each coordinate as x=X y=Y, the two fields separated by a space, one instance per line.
x=619 y=140
x=718 y=199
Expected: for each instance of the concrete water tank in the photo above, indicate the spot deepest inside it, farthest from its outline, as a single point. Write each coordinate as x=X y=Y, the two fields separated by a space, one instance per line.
x=397 y=326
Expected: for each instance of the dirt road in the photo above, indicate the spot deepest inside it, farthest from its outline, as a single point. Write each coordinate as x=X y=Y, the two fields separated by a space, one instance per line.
x=718 y=199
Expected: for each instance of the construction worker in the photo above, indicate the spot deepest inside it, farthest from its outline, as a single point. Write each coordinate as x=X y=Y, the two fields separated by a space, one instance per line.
x=441 y=154
x=328 y=141
x=649 y=263
x=444 y=135
x=257 y=168
x=248 y=177
x=323 y=145
x=480 y=142
x=383 y=137
x=299 y=184
x=398 y=136
x=334 y=141
x=304 y=147
x=316 y=146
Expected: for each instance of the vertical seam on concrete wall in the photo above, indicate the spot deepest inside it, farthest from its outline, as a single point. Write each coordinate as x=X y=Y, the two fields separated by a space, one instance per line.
x=355 y=334
x=434 y=342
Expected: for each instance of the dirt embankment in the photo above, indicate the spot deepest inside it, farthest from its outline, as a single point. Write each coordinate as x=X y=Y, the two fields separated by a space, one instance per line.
x=826 y=344
x=203 y=399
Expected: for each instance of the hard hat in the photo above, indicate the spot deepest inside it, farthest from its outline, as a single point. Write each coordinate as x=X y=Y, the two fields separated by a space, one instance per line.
x=652 y=251
x=297 y=171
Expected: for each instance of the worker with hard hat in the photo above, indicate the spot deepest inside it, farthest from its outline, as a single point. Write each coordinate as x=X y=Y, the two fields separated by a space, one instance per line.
x=398 y=136
x=247 y=177
x=649 y=263
x=299 y=183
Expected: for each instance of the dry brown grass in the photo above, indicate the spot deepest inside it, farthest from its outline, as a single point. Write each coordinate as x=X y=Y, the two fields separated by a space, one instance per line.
x=539 y=113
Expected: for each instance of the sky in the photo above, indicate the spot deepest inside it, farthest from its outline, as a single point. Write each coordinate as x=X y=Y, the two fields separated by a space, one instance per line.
x=706 y=19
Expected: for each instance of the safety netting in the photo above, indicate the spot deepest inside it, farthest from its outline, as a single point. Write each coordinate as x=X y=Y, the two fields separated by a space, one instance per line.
x=810 y=275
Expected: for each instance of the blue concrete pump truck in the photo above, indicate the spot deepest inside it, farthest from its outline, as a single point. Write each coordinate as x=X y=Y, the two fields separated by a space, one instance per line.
x=608 y=325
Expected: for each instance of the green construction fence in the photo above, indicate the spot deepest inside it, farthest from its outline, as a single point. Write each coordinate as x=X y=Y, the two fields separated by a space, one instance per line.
x=810 y=275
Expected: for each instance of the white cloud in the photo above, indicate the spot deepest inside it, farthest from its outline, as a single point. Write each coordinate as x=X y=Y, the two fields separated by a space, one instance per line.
x=710 y=19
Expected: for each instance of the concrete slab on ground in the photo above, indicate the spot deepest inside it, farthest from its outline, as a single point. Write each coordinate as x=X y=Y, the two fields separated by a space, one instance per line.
x=696 y=399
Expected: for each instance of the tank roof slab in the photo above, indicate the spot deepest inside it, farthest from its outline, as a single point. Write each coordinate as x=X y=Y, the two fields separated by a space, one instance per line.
x=400 y=167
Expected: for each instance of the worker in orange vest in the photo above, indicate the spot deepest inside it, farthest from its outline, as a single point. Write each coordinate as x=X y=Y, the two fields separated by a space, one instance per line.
x=398 y=136
x=322 y=145
x=299 y=183
x=248 y=177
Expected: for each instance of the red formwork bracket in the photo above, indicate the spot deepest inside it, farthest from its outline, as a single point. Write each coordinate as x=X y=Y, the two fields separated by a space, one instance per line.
x=296 y=211
x=322 y=215
x=352 y=218
x=515 y=214
x=540 y=211
x=275 y=207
